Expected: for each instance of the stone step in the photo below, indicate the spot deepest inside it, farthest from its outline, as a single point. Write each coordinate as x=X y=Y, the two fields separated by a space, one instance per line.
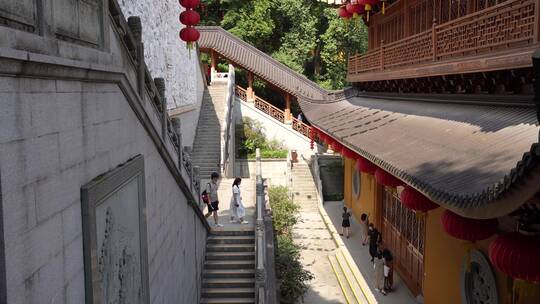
x=228 y=301
x=233 y=232
x=228 y=292
x=212 y=256
x=230 y=247
x=233 y=239
x=226 y=264
x=228 y=273
x=229 y=283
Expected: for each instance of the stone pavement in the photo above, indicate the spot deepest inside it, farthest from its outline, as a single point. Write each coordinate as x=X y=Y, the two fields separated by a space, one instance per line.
x=360 y=254
x=315 y=241
x=247 y=189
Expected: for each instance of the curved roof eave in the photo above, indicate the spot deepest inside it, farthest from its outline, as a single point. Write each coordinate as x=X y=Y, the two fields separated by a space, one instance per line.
x=501 y=190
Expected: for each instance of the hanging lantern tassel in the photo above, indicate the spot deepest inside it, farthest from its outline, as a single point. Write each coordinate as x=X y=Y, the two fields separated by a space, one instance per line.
x=312 y=138
x=383 y=6
x=368 y=9
x=524 y=289
x=469 y=246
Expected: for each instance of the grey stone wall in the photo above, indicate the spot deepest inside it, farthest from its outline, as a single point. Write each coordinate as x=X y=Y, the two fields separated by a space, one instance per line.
x=56 y=136
x=69 y=111
x=168 y=55
x=331 y=171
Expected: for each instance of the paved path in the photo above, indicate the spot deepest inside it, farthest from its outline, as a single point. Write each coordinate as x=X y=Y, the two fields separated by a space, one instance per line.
x=225 y=192
x=360 y=254
x=315 y=241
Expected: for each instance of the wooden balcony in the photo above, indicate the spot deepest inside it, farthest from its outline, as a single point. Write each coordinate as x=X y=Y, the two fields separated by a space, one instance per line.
x=497 y=38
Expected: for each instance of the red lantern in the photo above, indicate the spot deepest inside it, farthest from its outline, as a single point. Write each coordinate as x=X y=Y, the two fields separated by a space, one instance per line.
x=353 y=9
x=312 y=138
x=189 y=35
x=190 y=3
x=384 y=178
x=415 y=200
x=517 y=255
x=468 y=229
x=348 y=153
x=190 y=17
x=343 y=13
x=365 y=165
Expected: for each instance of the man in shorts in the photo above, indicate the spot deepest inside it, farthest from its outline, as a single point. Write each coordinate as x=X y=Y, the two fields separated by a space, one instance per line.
x=212 y=191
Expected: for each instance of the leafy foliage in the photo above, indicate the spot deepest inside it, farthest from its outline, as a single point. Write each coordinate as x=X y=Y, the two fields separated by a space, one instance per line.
x=284 y=211
x=293 y=278
x=250 y=136
x=307 y=36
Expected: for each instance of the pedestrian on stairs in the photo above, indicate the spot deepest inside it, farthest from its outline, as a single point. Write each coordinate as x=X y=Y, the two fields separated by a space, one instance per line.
x=236 y=208
x=212 y=191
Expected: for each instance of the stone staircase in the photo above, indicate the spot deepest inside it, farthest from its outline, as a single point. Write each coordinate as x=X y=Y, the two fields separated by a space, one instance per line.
x=315 y=239
x=229 y=268
x=303 y=187
x=207 y=146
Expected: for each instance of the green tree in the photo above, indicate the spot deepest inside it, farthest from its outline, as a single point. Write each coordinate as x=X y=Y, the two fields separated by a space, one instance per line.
x=307 y=36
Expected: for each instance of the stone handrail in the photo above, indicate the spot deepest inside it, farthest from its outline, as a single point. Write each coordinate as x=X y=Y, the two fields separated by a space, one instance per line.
x=501 y=26
x=227 y=155
x=130 y=33
x=260 y=248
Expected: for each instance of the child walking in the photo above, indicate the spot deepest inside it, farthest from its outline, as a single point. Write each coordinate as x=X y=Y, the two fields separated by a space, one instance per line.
x=346 y=222
x=236 y=207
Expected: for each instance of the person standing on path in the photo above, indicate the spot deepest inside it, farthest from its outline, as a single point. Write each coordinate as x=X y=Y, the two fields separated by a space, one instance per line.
x=364 y=219
x=378 y=266
x=300 y=117
x=388 y=270
x=212 y=192
x=236 y=207
x=346 y=222
x=375 y=239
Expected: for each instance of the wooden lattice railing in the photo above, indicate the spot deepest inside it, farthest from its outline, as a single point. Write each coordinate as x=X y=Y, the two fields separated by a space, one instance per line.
x=274 y=112
x=507 y=25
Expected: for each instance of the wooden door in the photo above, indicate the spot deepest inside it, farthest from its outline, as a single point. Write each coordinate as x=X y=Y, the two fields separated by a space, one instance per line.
x=404 y=235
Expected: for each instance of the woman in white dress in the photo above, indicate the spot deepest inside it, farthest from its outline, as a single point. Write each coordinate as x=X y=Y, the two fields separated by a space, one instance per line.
x=236 y=208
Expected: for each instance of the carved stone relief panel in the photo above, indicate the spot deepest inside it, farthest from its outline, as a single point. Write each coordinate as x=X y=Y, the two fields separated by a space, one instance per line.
x=79 y=20
x=19 y=14
x=114 y=236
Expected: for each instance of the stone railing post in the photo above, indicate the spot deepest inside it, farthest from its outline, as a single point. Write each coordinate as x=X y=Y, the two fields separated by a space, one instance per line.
x=177 y=127
x=197 y=183
x=260 y=273
x=160 y=86
x=134 y=23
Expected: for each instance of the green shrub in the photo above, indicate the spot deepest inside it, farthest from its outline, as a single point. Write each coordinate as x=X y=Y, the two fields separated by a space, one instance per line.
x=292 y=277
x=250 y=136
x=284 y=210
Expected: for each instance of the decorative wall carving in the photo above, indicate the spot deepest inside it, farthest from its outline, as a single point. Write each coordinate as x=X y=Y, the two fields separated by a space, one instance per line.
x=78 y=20
x=114 y=236
x=20 y=14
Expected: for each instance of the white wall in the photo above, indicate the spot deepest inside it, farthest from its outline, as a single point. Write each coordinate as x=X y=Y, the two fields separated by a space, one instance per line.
x=167 y=56
x=189 y=120
x=272 y=128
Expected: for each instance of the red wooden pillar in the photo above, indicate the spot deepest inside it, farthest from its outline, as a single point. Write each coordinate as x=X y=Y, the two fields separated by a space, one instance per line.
x=288 y=116
x=213 y=64
x=250 y=95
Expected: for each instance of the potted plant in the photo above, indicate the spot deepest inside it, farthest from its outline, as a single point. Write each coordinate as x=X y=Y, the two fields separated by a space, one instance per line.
x=294 y=156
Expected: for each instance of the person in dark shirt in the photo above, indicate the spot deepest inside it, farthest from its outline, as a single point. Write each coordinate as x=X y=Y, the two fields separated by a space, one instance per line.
x=375 y=239
x=388 y=270
x=346 y=222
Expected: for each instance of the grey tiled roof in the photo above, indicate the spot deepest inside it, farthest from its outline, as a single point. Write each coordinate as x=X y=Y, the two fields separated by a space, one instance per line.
x=259 y=63
x=480 y=161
